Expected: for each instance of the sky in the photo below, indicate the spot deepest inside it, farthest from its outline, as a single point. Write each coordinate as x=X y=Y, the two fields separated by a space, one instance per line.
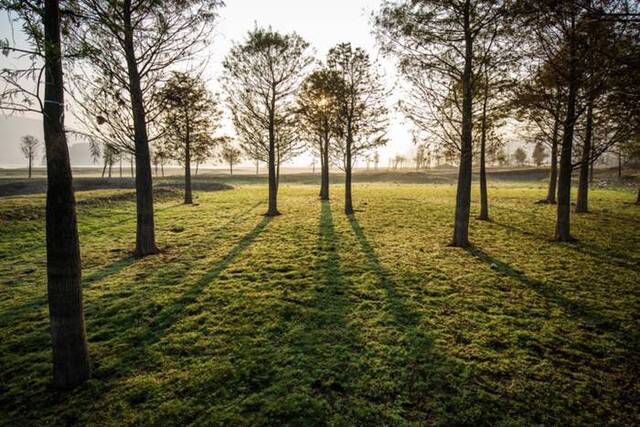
x=322 y=23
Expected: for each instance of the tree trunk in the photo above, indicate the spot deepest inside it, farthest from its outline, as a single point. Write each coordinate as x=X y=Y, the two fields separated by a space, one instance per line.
x=324 y=187
x=582 y=203
x=145 y=228
x=71 y=365
x=188 y=198
x=273 y=184
x=619 y=164
x=162 y=168
x=553 y=178
x=348 y=204
x=484 y=197
x=30 y=161
x=563 y=217
x=121 y=166
x=638 y=197
x=104 y=168
x=257 y=167
x=592 y=165
x=463 y=195
x=197 y=167
x=110 y=167
x=230 y=168
x=131 y=167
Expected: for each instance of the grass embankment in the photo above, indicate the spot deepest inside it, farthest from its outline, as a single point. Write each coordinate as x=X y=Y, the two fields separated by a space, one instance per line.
x=314 y=318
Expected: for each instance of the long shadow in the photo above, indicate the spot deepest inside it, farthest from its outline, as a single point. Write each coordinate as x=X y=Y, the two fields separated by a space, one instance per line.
x=402 y=313
x=424 y=374
x=573 y=309
x=587 y=248
x=168 y=316
x=39 y=302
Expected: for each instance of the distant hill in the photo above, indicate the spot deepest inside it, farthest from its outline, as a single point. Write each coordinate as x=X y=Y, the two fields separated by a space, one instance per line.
x=13 y=128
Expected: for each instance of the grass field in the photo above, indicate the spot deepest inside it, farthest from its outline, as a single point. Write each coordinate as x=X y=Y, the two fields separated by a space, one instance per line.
x=314 y=318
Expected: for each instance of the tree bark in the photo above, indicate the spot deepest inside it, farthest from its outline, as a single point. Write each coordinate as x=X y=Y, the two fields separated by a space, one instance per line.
x=563 y=216
x=582 y=202
x=145 y=227
x=30 y=161
x=188 y=197
x=273 y=184
x=324 y=187
x=553 y=178
x=104 y=169
x=348 y=202
x=619 y=164
x=71 y=365
x=463 y=195
x=484 y=197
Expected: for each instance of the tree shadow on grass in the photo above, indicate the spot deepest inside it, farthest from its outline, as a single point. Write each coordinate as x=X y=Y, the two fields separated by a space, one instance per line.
x=573 y=309
x=587 y=248
x=428 y=381
x=169 y=315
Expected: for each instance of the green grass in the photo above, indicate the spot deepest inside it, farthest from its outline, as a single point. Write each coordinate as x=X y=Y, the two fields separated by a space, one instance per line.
x=313 y=318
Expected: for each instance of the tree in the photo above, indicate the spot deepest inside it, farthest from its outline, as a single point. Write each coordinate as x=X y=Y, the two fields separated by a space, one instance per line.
x=129 y=46
x=611 y=45
x=189 y=119
x=231 y=156
x=376 y=160
x=319 y=114
x=29 y=146
x=539 y=100
x=443 y=43
x=520 y=156
x=262 y=76
x=42 y=20
x=562 y=32
x=362 y=111
x=539 y=154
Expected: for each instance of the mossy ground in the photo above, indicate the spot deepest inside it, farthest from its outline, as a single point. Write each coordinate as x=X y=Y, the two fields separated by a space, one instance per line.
x=315 y=318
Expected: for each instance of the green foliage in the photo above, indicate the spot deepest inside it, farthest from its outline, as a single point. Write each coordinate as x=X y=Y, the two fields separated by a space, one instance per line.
x=190 y=117
x=261 y=78
x=315 y=318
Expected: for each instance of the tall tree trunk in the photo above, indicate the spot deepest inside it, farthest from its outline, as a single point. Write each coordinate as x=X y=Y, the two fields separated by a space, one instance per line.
x=463 y=196
x=145 y=227
x=257 y=167
x=197 y=167
x=553 y=178
x=619 y=164
x=188 y=198
x=324 y=188
x=162 y=168
x=70 y=355
x=273 y=179
x=30 y=161
x=592 y=165
x=484 y=197
x=230 y=168
x=582 y=203
x=131 y=167
x=104 y=168
x=120 y=166
x=563 y=217
x=348 y=203
x=110 y=167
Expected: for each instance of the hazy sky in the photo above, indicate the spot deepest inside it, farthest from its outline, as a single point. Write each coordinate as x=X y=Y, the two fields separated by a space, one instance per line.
x=321 y=23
